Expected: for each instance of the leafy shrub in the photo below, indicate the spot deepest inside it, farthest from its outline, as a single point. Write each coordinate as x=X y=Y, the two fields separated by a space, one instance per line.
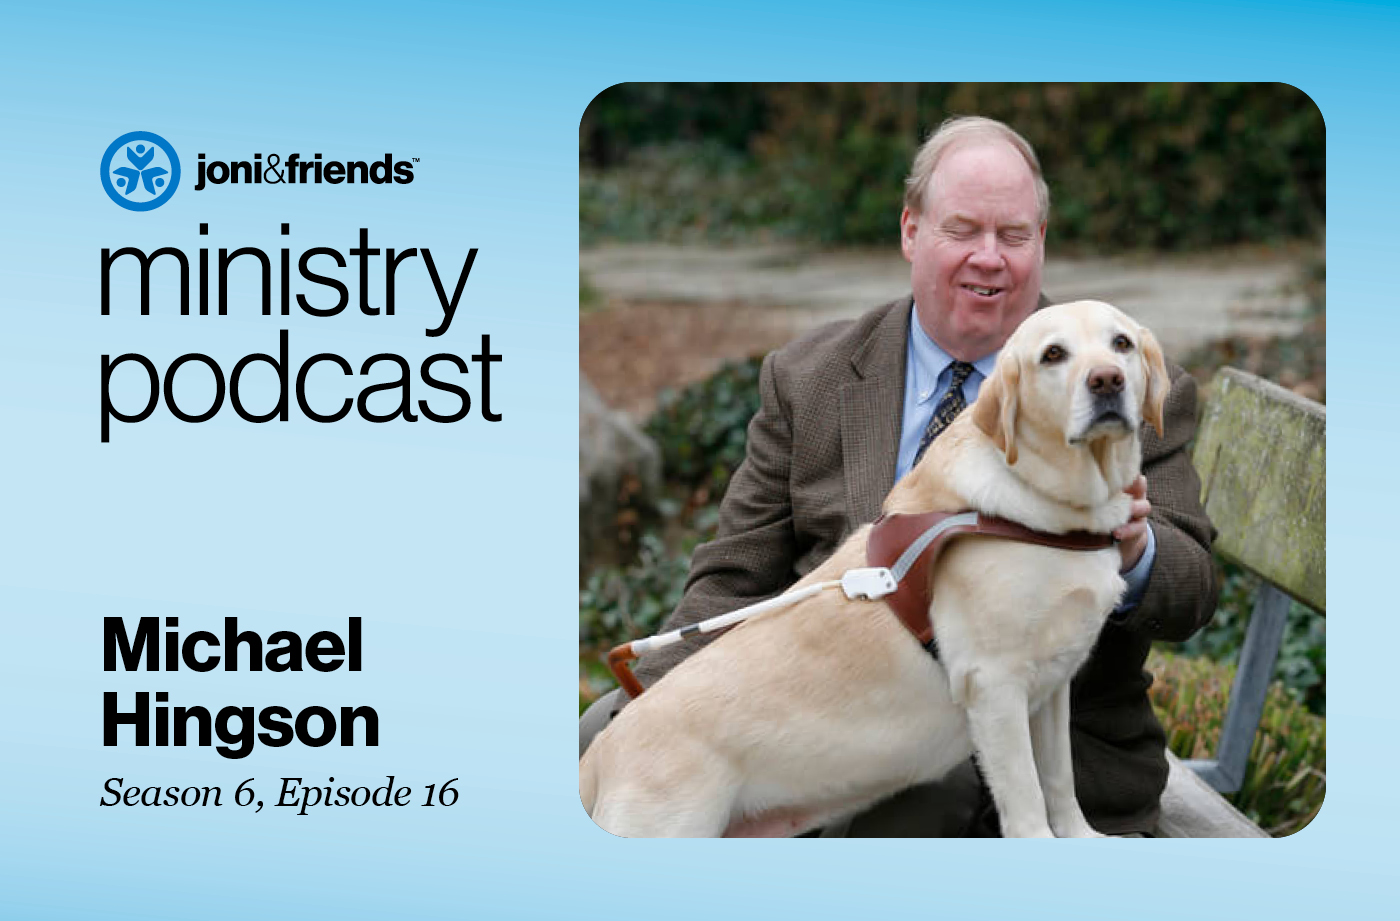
x=1302 y=658
x=677 y=192
x=1131 y=166
x=628 y=116
x=617 y=604
x=702 y=429
x=1286 y=779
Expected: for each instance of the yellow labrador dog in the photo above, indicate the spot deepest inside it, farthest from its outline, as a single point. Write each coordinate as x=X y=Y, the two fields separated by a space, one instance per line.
x=805 y=715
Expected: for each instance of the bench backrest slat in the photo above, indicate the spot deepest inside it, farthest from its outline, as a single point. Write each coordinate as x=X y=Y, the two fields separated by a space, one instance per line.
x=1261 y=453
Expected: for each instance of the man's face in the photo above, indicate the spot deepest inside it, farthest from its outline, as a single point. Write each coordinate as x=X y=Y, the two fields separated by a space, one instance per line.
x=976 y=249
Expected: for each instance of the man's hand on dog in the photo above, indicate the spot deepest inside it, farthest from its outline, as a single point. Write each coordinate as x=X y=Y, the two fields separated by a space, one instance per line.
x=1132 y=537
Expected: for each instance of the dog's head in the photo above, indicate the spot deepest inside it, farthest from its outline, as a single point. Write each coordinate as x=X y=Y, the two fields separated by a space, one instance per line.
x=1073 y=377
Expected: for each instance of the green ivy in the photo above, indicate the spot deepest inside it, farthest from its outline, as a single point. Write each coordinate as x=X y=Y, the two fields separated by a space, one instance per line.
x=702 y=430
x=617 y=604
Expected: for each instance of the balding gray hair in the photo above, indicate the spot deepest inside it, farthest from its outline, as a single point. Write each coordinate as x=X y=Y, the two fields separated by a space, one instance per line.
x=962 y=130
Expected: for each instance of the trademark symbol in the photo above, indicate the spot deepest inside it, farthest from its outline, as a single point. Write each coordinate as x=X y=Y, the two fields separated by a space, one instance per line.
x=415 y=159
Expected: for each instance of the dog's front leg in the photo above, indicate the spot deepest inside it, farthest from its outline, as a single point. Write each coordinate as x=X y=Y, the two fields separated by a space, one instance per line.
x=999 y=717
x=1050 y=741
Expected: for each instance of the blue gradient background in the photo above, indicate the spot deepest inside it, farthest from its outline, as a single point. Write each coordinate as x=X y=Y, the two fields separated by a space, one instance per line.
x=422 y=529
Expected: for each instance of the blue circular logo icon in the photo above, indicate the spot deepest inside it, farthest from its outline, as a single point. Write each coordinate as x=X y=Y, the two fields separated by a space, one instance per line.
x=140 y=171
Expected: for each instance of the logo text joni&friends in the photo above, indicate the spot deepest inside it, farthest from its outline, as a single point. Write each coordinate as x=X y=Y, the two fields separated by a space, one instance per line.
x=141 y=171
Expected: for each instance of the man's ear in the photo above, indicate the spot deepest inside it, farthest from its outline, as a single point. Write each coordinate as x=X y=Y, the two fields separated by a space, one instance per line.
x=908 y=230
x=1158 y=382
x=994 y=410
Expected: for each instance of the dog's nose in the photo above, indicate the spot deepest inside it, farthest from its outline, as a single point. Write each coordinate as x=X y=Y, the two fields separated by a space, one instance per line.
x=1106 y=380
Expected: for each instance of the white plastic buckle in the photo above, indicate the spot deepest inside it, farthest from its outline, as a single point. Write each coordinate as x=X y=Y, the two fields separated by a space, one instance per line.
x=871 y=583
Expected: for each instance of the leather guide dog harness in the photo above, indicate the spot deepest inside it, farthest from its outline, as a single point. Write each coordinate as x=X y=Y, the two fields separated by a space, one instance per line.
x=910 y=544
x=901 y=550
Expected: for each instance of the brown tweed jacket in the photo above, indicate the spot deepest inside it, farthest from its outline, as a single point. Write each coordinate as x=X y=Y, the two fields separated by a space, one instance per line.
x=821 y=457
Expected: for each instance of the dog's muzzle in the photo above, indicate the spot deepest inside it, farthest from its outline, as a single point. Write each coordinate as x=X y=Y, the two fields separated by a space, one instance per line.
x=1108 y=411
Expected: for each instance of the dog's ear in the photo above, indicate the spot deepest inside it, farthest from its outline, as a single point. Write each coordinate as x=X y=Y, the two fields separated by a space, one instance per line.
x=994 y=411
x=1158 y=382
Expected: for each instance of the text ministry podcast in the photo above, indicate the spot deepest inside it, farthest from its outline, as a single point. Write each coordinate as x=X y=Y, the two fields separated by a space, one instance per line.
x=160 y=384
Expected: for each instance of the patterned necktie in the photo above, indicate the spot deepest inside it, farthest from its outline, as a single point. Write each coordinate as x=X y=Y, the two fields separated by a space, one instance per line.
x=948 y=407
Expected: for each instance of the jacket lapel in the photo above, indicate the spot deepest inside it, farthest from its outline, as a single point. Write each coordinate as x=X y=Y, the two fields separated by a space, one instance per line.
x=871 y=410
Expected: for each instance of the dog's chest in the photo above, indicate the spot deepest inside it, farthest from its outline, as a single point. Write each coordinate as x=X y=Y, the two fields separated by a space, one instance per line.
x=1032 y=610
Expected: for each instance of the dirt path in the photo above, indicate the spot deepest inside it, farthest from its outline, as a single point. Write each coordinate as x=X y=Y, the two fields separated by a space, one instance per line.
x=671 y=315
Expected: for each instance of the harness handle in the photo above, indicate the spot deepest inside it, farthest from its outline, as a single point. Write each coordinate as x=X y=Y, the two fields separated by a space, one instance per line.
x=617 y=664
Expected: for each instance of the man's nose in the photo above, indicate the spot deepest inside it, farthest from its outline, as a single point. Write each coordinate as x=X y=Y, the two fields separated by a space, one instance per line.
x=987 y=254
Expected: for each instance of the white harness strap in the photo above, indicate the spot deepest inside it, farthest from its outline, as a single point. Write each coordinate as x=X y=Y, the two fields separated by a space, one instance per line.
x=715 y=624
x=907 y=559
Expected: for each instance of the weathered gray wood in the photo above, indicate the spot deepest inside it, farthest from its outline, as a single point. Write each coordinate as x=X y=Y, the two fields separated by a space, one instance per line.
x=1191 y=809
x=1251 y=687
x=1262 y=455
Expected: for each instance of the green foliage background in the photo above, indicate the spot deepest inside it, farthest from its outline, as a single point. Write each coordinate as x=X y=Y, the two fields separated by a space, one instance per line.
x=1130 y=166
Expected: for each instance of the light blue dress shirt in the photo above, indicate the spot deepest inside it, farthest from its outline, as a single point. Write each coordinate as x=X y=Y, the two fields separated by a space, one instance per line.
x=927 y=374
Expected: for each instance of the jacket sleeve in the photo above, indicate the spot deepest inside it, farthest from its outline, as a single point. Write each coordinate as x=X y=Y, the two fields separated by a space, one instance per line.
x=1181 y=591
x=755 y=549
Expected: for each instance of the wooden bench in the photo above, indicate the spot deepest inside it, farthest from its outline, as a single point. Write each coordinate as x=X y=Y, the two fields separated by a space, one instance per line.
x=1262 y=456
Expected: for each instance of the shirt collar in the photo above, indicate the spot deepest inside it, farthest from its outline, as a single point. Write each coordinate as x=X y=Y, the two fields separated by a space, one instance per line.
x=928 y=361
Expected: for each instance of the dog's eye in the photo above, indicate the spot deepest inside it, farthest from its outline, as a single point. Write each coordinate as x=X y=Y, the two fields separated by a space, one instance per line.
x=1053 y=355
x=1122 y=343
